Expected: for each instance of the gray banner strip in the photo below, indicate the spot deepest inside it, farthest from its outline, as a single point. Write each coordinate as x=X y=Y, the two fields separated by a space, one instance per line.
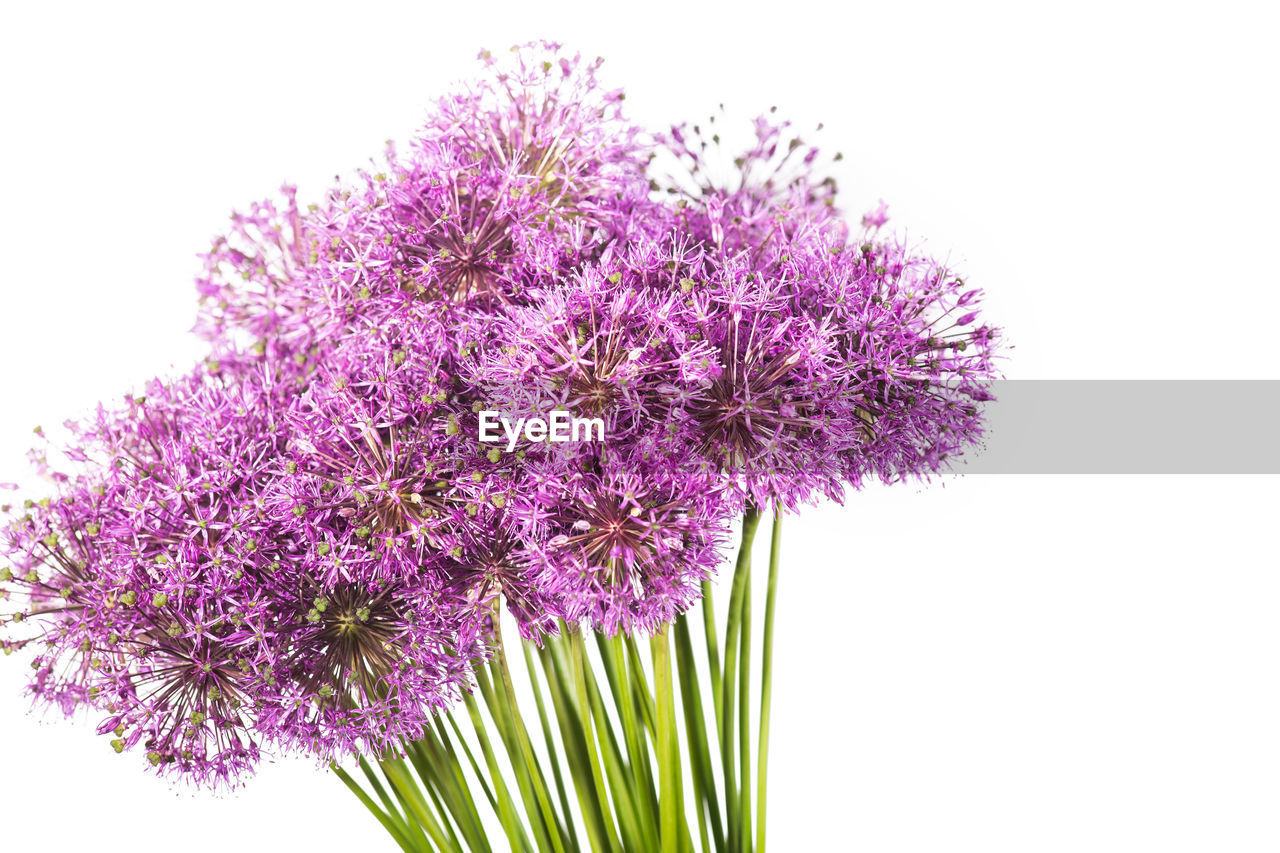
x=1130 y=427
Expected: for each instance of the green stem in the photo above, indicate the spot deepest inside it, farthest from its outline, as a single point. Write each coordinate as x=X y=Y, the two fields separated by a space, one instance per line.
x=439 y=768
x=578 y=657
x=639 y=685
x=744 y=726
x=741 y=579
x=392 y=827
x=444 y=819
x=471 y=758
x=505 y=726
x=713 y=652
x=506 y=810
x=575 y=746
x=533 y=770
x=621 y=786
x=766 y=676
x=614 y=655
x=411 y=798
x=670 y=802
x=378 y=788
x=704 y=780
x=549 y=740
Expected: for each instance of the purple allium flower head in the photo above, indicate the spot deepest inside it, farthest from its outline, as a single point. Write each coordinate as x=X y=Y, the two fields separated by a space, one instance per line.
x=764 y=200
x=140 y=577
x=915 y=366
x=543 y=115
x=362 y=663
x=629 y=548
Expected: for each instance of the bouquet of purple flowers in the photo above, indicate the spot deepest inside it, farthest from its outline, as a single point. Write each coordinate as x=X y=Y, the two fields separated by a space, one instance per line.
x=535 y=368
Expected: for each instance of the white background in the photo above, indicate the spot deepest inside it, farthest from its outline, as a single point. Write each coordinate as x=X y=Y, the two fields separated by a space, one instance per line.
x=993 y=664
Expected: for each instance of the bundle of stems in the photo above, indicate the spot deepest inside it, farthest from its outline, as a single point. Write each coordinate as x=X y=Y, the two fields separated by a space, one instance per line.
x=610 y=764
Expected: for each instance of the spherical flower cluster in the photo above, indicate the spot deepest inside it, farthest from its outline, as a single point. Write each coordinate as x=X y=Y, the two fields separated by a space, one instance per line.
x=301 y=544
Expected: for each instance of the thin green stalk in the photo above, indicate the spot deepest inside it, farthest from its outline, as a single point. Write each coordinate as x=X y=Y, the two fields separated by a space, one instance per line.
x=670 y=802
x=639 y=686
x=444 y=817
x=766 y=676
x=635 y=833
x=412 y=823
x=614 y=654
x=599 y=833
x=741 y=578
x=507 y=815
x=578 y=656
x=713 y=652
x=392 y=827
x=407 y=790
x=471 y=758
x=704 y=780
x=744 y=727
x=441 y=771
x=534 y=770
x=376 y=784
x=552 y=751
x=501 y=715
